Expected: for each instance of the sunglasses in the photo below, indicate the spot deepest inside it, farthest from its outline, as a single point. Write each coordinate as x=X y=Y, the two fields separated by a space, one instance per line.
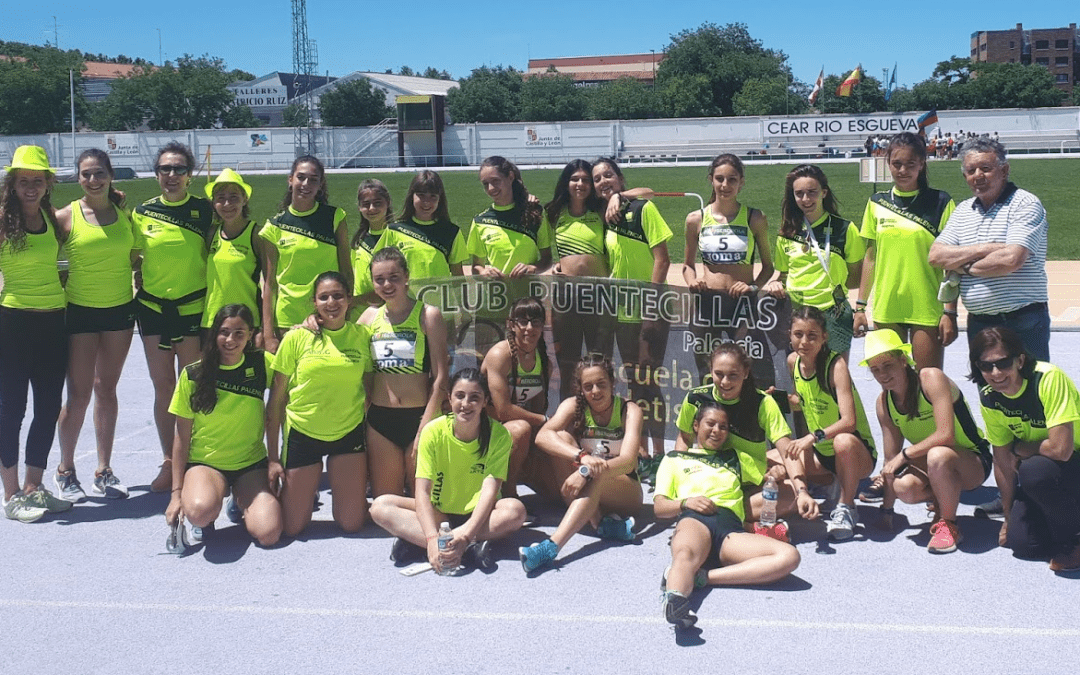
x=525 y=323
x=1001 y=364
x=174 y=169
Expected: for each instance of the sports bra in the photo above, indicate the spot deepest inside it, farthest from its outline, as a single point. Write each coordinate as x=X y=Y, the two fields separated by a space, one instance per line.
x=730 y=243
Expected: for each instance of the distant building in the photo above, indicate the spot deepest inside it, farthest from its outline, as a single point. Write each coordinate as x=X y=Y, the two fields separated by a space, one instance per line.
x=1056 y=49
x=592 y=70
x=392 y=85
x=267 y=96
x=98 y=77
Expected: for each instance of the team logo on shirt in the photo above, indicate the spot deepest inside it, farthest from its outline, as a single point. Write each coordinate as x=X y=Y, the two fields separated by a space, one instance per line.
x=477 y=468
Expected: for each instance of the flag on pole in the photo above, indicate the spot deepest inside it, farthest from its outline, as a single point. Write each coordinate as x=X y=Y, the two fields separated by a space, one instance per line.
x=927 y=118
x=891 y=85
x=818 y=84
x=850 y=81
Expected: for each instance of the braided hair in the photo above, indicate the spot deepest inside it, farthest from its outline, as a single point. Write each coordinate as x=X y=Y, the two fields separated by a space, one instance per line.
x=588 y=361
x=527 y=308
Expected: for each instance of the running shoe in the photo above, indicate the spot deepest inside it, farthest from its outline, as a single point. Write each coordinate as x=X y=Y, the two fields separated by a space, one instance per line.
x=43 y=499
x=68 y=486
x=404 y=551
x=944 y=536
x=701 y=578
x=163 y=481
x=874 y=492
x=991 y=509
x=177 y=541
x=537 y=555
x=677 y=610
x=199 y=534
x=233 y=511
x=106 y=483
x=1068 y=561
x=18 y=509
x=479 y=555
x=842 y=521
x=613 y=527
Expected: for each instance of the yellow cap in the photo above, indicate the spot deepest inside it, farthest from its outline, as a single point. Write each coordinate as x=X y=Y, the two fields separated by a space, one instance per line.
x=227 y=175
x=883 y=341
x=31 y=158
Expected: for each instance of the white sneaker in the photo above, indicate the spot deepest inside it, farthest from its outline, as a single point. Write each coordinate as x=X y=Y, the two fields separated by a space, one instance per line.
x=18 y=508
x=842 y=521
x=106 y=483
x=68 y=486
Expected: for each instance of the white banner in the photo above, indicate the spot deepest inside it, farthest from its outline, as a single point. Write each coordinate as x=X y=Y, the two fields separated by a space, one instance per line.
x=262 y=96
x=543 y=136
x=840 y=125
x=122 y=145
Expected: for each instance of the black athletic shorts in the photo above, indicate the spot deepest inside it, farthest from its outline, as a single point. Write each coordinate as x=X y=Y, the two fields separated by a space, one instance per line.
x=398 y=425
x=720 y=524
x=231 y=476
x=303 y=450
x=152 y=322
x=82 y=319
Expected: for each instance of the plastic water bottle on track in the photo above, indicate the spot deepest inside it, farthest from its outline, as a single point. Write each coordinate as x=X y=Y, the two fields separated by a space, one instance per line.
x=445 y=537
x=769 y=493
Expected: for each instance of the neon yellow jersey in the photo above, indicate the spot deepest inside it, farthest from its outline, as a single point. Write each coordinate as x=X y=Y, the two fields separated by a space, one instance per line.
x=821 y=409
x=455 y=469
x=172 y=237
x=31 y=278
x=232 y=274
x=499 y=237
x=605 y=441
x=326 y=379
x=361 y=262
x=306 y=244
x=730 y=243
x=430 y=247
x=1046 y=399
x=631 y=240
x=579 y=235
x=808 y=283
x=99 y=260
x=699 y=472
x=903 y=226
x=748 y=439
x=917 y=429
x=399 y=348
x=229 y=437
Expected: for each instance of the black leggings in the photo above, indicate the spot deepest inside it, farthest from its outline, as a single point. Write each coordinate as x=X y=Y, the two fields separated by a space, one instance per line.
x=1045 y=516
x=33 y=353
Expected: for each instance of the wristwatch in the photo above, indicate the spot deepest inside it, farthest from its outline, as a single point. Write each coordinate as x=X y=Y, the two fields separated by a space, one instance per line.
x=584 y=471
x=819 y=435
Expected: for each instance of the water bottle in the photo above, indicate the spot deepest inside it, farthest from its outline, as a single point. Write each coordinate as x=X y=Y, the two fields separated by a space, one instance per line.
x=769 y=493
x=445 y=537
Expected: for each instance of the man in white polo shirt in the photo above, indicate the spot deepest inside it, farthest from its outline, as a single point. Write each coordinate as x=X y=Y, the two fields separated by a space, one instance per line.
x=997 y=242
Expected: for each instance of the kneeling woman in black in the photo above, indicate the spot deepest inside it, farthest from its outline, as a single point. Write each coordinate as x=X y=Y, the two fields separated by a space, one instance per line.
x=219 y=411
x=319 y=391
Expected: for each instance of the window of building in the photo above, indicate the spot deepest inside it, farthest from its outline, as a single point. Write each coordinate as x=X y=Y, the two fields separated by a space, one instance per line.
x=1042 y=61
x=1061 y=44
x=974 y=52
x=1061 y=60
x=1063 y=78
x=1012 y=60
x=1042 y=44
x=1012 y=44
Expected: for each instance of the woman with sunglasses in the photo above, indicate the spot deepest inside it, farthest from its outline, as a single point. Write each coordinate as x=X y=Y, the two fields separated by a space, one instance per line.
x=171 y=233
x=1031 y=409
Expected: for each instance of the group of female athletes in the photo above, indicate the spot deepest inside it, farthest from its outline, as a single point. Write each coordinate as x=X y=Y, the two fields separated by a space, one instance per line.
x=358 y=369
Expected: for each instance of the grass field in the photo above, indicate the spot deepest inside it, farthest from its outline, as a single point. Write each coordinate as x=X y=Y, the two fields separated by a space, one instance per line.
x=1054 y=181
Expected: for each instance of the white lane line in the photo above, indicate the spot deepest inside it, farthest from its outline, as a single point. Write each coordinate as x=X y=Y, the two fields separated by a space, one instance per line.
x=533 y=618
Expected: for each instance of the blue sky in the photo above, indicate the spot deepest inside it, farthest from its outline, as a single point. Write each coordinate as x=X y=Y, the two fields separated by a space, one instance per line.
x=362 y=35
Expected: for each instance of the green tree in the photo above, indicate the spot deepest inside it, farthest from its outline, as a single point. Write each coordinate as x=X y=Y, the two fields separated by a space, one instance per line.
x=955 y=69
x=294 y=115
x=772 y=96
x=552 y=98
x=239 y=117
x=405 y=70
x=355 y=103
x=623 y=99
x=725 y=56
x=1013 y=85
x=436 y=74
x=35 y=95
x=487 y=95
x=190 y=94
